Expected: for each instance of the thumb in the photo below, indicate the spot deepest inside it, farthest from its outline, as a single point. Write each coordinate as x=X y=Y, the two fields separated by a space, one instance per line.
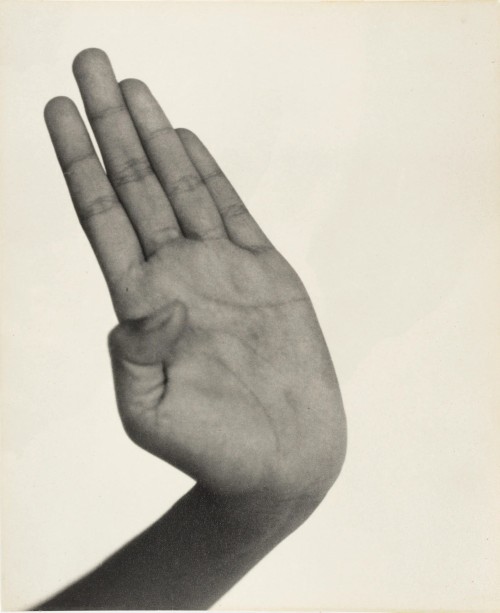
x=140 y=349
x=149 y=340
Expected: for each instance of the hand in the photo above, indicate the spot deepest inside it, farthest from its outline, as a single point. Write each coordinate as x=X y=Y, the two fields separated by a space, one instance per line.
x=220 y=365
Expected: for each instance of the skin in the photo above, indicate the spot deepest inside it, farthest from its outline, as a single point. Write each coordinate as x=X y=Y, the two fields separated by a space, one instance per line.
x=219 y=363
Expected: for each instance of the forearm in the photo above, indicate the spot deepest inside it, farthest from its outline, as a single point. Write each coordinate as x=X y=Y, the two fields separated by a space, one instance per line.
x=190 y=557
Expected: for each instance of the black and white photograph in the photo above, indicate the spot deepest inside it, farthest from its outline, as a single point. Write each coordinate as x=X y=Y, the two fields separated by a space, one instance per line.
x=250 y=281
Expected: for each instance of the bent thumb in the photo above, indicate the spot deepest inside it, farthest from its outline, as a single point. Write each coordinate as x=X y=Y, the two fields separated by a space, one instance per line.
x=149 y=340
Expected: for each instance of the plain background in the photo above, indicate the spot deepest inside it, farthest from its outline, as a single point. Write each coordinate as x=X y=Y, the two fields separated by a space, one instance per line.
x=365 y=139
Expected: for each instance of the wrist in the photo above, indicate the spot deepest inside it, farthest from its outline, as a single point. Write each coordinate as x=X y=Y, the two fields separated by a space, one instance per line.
x=256 y=516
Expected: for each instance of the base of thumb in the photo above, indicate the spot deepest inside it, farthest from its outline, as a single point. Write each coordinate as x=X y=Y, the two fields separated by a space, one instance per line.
x=149 y=340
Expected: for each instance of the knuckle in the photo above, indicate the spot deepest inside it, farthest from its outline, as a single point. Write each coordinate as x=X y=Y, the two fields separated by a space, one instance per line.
x=215 y=232
x=132 y=171
x=234 y=210
x=162 y=234
x=213 y=176
x=96 y=207
x=70 y=167
x=159 y=133
x=186 y=184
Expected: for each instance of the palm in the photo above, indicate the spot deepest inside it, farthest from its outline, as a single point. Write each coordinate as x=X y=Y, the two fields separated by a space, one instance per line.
x=243 y=396
x=207 y=274
x=240 y=366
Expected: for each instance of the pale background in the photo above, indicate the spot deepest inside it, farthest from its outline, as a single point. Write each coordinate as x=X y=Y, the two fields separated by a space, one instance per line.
x=365 y=139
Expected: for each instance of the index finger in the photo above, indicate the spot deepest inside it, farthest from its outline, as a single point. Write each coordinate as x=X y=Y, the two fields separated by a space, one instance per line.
x=101 y=215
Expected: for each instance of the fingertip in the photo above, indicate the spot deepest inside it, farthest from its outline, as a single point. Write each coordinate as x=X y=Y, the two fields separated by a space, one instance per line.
x=143 y=106
x=186 y=134
x=136 y=92
x=133 y=85
x=193 y=145
x=58 y=107
x=88 y=59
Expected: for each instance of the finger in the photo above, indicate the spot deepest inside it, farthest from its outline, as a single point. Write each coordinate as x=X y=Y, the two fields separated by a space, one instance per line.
x=190 y=198
x=241 y=228
x=103 y=219
x=124 y=157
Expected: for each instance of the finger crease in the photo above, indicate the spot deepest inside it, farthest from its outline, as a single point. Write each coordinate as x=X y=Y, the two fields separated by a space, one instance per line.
x=107 y=112
x=236 y=209
x=154 y=134
x=72 y=164
x=186 y=184
x=163 y=234
x=133 y=171
x=97 y=206
x=216 y=174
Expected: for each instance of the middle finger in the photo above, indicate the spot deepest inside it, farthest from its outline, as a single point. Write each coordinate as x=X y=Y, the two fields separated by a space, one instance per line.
x=126 y=162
